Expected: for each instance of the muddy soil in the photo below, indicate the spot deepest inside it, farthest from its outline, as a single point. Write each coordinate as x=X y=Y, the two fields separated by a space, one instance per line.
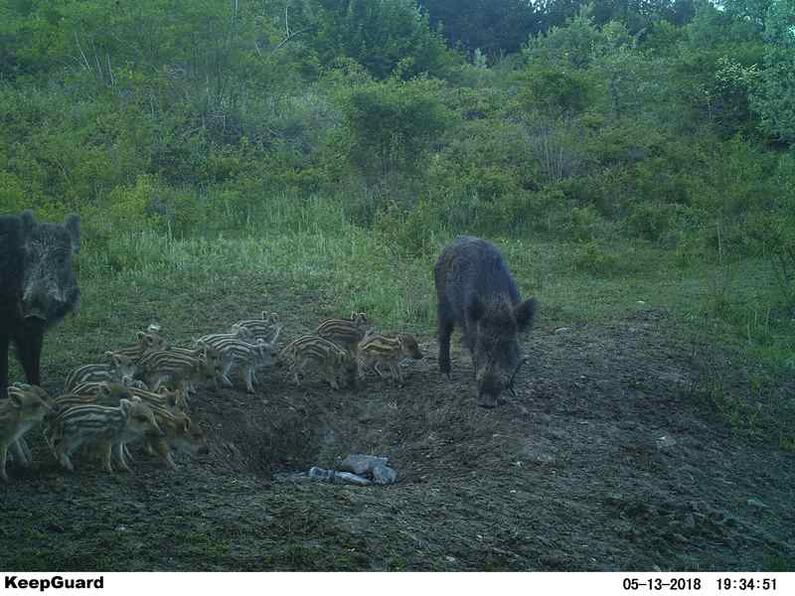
x=605 y=460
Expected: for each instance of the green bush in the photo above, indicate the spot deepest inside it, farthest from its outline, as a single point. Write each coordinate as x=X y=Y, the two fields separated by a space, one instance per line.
x=392 y=125
x=557 y=90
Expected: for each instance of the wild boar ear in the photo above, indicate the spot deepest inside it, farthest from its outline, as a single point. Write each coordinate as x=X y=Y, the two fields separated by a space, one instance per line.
x=475 y=309
x=16 y=399
x=28 y=221
x=72 y=225
x=524 y=313
x=125 y=405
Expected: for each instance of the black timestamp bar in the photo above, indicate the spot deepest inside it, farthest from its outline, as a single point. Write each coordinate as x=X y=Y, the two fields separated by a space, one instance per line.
x=747 y=584
x=658 y=583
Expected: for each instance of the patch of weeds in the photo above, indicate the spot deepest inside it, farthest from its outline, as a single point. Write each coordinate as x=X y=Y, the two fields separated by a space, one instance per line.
x=778 y=562
x=753 y=404
x=591 y=257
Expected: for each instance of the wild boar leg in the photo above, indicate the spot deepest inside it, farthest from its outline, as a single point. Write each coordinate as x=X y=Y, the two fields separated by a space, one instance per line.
x=4 y=340
x=3 y=457
x=445 y=330
x=29 y=341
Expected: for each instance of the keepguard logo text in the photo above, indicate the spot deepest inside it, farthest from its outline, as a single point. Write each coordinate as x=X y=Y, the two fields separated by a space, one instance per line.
x=57 y=582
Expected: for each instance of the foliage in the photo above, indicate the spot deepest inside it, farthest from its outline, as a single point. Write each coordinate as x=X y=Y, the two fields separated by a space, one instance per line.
x=385 y=36
x=774 y=97
x=391 y=124
x=490 y=26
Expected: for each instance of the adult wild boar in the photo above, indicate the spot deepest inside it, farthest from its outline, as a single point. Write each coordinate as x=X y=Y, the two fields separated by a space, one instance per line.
x=37 y=286
x=475 y=290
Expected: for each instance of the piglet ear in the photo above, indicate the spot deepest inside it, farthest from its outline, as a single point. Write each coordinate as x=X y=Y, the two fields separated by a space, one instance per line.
x=72 y=225
x=524 y=313
x=475 y=309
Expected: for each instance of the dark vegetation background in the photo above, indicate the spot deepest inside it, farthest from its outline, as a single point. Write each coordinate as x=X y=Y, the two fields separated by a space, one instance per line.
x=626 y=155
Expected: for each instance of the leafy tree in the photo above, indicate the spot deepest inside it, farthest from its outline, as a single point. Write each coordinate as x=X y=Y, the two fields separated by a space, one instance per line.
x=392 y=124
x=384 y=36
x=579 y=43
x=774 y=97
x=714 y=70
x=492 y=26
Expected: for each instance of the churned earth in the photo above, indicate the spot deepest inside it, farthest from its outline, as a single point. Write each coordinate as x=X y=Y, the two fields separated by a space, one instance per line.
x=608 y=458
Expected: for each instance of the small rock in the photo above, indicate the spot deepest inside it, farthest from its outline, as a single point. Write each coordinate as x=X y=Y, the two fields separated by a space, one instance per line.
x=544 y=459
x=679 y=537
x=665 y=442
x=754 y=502
x=349 y=478
x=384 y=475
x=362 y=464
x=333 y=476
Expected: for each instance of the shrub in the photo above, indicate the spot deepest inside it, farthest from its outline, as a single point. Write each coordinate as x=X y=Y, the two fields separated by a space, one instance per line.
x=392 y=125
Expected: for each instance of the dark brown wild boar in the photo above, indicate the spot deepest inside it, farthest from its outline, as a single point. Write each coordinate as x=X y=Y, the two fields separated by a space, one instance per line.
x=37 y=286
x=476 y=291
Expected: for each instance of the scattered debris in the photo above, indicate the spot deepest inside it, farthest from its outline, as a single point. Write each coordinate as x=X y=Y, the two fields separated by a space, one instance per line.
x=754 y=502
x=383 y=474
x=358 y=469
x=371 y=466
x=665 y=442
x=362 y=464
x=333 y=476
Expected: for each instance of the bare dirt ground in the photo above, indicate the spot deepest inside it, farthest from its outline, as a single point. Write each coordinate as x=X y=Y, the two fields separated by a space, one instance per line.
x=606 y=460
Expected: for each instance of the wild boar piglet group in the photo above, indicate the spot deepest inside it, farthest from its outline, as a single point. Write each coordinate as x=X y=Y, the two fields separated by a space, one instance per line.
x=140 y=392
x=107 y=406
x=344 y=350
